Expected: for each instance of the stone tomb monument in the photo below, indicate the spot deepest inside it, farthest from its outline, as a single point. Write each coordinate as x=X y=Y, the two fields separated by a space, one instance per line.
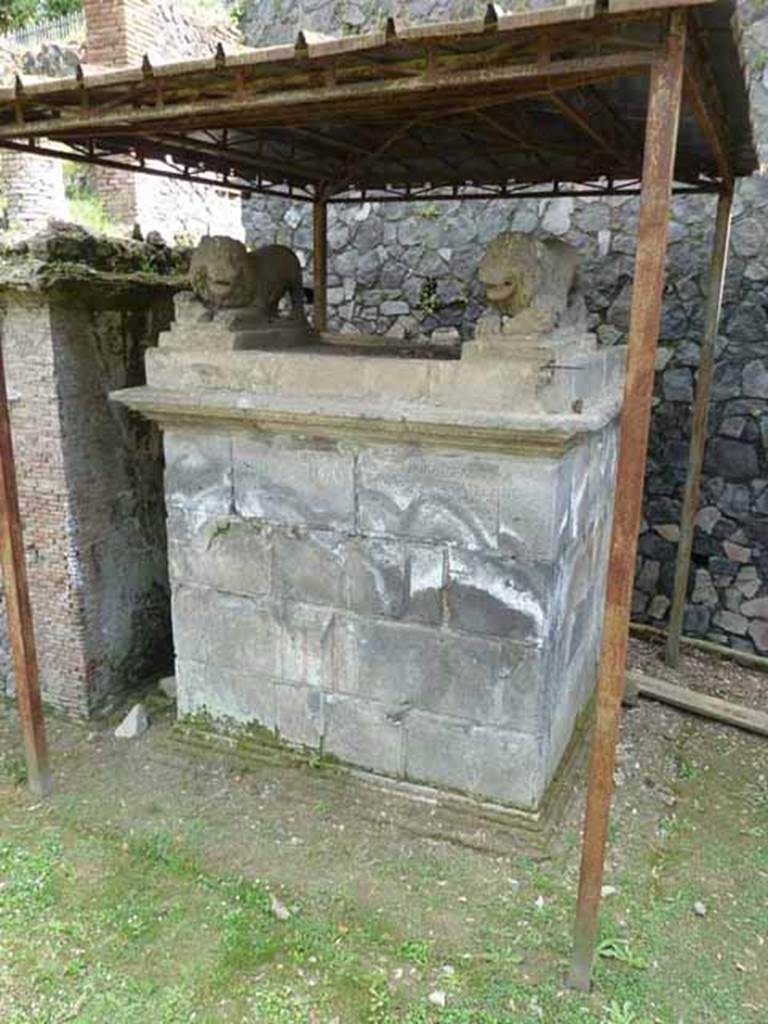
x=397 y=562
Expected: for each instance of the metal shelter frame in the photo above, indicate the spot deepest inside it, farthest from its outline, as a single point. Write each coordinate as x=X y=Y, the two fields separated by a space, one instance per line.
x=631 y=97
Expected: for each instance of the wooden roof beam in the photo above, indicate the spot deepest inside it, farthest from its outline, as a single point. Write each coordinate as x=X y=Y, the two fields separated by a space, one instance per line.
x=577 y=118
x=631 y=137
x=313 y=101
x=353 y=170
x=230 y=158
x=509 y=133
x=701 y=94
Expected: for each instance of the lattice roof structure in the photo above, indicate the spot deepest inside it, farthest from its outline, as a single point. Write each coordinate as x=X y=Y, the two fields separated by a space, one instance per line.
x=483 y=107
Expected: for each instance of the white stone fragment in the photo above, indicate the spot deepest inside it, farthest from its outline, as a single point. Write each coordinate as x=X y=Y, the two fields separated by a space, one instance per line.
x=134 y=724
x=279 y=910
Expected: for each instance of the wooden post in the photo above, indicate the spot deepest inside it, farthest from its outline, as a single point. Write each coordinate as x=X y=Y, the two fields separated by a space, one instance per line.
x=658 y=170
x=18 y=610
x=715 y=286
x=320 y=263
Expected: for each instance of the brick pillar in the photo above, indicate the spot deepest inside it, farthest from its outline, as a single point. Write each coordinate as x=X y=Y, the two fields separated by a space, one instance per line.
x=120 y=32
x=34 y=190
x=90 y=491
x=115 y=31
x=45 y=503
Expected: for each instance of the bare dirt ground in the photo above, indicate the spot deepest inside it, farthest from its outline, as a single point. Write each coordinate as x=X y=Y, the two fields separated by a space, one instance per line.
x=414 y=916
x=718 y=677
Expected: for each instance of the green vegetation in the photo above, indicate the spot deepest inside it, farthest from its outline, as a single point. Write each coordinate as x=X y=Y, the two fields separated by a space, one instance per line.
x=427 y=211
x=19 y=14
x=429 y=302
x=16 y=14
x=137 y=924
x=85 y=206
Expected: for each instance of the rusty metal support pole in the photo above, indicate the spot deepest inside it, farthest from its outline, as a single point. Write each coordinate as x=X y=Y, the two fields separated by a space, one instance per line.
x=18 y=610
x=320 y=263
x=717 y=268
x=658 y=169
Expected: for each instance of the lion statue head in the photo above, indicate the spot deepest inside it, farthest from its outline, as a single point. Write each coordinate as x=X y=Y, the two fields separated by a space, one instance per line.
x=531 y=281
x=219 y=273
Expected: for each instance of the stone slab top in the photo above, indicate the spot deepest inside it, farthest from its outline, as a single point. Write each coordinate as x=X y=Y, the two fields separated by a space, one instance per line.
x=538 y=392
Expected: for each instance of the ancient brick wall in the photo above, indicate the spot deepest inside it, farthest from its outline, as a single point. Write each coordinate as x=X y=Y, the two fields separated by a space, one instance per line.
x=90 y=486
x=409 y=270
x=32 y=191
x=122 y=32
x=32 y=188
x=28 y=348
x=107 y=32
x=113 y=465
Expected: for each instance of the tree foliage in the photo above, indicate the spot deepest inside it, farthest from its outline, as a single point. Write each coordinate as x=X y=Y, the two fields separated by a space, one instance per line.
x=16 y=14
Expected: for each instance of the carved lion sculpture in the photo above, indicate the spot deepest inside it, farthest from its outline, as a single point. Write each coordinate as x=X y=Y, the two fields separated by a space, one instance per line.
x=225 y=275
x=531 y=282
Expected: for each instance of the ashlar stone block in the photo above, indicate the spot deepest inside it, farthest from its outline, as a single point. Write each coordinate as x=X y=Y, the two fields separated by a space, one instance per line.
x=363 y=732
x=240 y=696
x=319 y=648
x=198 y=471
x=287 y=483
x=189 y=613
x=497 y=764
x=243 y=633
x=375 y=576
x=415 y=667
x=224 y=552
x=299 y=715
x=310 y=567
x=524 y=690
x=428 y=496
x=505 y=597
x=426 y=578
x=534 y=507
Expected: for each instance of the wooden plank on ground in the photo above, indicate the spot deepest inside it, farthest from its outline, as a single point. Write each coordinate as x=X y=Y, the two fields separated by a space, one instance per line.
x=700 y=703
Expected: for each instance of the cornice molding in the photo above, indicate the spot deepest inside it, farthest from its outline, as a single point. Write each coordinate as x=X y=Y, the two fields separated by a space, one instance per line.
x=532 y=436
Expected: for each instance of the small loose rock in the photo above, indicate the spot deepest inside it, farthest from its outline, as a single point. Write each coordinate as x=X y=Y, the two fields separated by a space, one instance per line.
x=135 y=723
x=280 y=911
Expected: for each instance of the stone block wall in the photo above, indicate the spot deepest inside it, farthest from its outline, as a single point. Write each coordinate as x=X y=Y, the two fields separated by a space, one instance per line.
x=428 y=614
x=90 y=487
x=408 y=270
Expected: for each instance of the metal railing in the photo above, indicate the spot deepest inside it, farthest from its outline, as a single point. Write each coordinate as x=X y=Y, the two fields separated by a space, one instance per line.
x=58 y=30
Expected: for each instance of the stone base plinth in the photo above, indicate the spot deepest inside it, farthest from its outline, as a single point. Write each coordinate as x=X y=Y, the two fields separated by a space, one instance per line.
x=374 y=559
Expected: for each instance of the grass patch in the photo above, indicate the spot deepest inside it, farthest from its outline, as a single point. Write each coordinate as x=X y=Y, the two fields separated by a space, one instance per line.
x=99 y=923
